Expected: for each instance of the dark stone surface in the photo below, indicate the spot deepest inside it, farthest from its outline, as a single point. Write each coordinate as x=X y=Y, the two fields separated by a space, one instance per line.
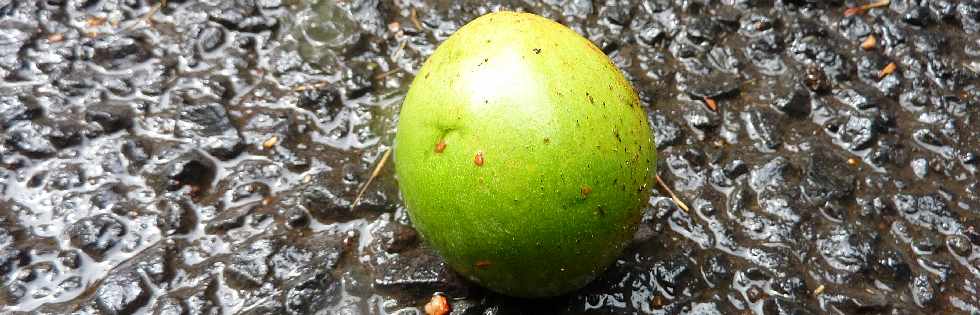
x=111 y=117
x=209 y=127
x=121 y=293
x=96 y=235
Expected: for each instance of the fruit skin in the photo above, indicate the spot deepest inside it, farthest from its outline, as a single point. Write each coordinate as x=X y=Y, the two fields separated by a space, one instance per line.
x=523 y=155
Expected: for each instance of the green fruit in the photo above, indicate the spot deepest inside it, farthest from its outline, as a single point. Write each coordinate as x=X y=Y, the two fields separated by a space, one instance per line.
x=523 y=155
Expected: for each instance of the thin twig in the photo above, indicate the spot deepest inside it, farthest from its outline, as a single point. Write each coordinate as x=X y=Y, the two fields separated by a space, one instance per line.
x=819 y=290
x=377 y=170
x=975 y=67
x=305 y=87
x=677 y=201
x=864 y=8
x=415 y=20
x=154 y=10
x=147 y=18
x=398 y=51
x=386 y=74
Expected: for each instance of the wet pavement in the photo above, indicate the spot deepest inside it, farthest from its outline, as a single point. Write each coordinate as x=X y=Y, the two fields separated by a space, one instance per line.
x=203 y=157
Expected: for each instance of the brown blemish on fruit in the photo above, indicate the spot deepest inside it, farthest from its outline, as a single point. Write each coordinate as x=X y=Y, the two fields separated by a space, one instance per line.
x=589 y=96
x=586 y=190
x=482 y=264
x=441 y=146
x=537 y=51
x=478 y=159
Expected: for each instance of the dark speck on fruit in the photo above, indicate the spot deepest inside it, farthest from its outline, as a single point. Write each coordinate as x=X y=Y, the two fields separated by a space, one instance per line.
x=537 y=51
x=441 y=146
x=482 y=264
x=478 y=158
x=586 y=190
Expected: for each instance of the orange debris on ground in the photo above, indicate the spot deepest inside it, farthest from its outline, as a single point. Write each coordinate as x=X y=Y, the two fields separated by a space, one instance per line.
x=889 y=69
x=438 y=305
x=869 y=43
x=56 y=37
x=864 y=8
x=712 y=104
